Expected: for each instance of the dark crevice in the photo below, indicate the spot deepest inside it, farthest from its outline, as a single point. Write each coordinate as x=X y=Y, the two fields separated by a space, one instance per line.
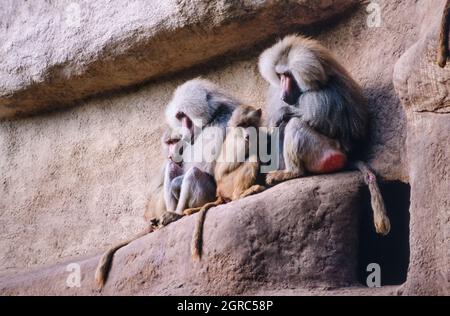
x=391 y=252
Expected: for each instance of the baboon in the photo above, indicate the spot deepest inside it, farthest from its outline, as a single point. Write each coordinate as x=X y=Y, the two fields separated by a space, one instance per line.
x=444 y=40
x=322 y=114
x=197 y=114
x=237 y=168
x=200 y=111
x=159 y=203
x=171 y=148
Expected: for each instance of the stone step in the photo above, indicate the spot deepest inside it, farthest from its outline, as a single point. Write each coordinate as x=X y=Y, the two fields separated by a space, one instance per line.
x=299 y=234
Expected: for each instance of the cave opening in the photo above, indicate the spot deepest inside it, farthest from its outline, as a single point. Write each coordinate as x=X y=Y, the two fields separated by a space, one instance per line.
x=390 y=252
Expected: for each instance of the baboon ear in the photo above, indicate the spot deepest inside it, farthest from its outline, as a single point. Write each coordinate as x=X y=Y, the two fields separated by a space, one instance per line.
x=258 y=112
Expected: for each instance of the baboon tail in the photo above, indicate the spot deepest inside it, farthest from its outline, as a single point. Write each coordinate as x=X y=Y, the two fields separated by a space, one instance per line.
x=104 y=264
x=380 y=218
x=443 y=40
x=197 y=237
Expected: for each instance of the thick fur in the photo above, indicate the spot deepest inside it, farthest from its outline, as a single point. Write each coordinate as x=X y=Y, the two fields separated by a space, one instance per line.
x=333 y=103
x=235 y=178
x=327 y=123
x=444 y=50
x=209 y=108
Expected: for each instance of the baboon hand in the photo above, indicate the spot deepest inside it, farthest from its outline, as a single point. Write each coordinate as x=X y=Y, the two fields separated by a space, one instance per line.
x=284 y=114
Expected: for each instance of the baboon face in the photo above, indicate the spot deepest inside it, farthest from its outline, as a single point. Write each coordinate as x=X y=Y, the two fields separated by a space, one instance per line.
x=290 y=91
x=187 y=126
x=173 y=146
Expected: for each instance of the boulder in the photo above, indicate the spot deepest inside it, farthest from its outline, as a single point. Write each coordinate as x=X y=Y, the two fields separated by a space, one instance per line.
x=54 y=54
x=424 y=90
x=302 y=233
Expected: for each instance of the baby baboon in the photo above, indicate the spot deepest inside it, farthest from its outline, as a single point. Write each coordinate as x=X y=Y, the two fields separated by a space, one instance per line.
x=200 y=110
x=171 y=148
x=321 y=112
x=444 y=40
x=237 y=168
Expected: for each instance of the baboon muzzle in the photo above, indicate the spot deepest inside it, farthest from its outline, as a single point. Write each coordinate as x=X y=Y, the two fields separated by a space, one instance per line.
x=290 y=90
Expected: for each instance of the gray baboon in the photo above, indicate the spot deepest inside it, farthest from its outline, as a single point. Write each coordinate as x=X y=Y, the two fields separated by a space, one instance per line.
x=321 y=112
x=200 y=111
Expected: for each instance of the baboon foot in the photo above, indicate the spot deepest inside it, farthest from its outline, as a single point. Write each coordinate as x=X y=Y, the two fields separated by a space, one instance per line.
x=275 y=177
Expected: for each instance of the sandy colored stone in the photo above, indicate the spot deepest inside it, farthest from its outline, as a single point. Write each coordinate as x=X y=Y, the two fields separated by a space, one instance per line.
x=258 y=243
x=55 y=53
x=77 y=180
x=424 y=90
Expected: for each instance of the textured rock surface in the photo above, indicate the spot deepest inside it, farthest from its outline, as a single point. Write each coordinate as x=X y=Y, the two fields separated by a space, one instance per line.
x=77 y=180
x=300 y=233
x=424 y=89
x=54 y=53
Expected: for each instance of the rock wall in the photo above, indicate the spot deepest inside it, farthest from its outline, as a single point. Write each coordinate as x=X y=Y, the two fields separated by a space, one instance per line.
x=425 y=93
x=76 y=180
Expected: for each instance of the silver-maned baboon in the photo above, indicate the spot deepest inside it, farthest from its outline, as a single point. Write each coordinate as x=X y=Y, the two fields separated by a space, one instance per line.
x=200 y=110
x=321 y=112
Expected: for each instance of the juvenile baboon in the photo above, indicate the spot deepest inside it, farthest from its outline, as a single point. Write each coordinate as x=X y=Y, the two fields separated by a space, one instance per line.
x=237 y=168
x=200 y=111
x=321 y=112
x=444 y=40
x=170 y=144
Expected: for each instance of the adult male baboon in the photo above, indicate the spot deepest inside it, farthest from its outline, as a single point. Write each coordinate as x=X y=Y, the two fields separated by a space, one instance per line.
x=322 y=113
x=200 y=111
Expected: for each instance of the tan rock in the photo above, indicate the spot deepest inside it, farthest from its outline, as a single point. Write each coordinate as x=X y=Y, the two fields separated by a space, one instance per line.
x=54 y=54
x=302 y=233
